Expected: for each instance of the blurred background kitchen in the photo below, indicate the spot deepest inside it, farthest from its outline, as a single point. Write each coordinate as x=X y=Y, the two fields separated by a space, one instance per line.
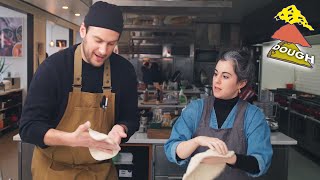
x=173 y=46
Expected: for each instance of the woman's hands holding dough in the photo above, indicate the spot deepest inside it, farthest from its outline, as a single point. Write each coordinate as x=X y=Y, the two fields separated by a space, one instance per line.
x=213 y=143
x=217 y=160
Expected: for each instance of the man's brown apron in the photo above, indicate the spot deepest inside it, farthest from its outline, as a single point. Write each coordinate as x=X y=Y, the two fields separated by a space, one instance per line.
x=64 y=162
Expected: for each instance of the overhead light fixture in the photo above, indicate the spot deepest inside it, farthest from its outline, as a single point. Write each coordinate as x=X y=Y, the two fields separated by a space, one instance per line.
x=77 y=14
x=65 y=7
x=51 y=43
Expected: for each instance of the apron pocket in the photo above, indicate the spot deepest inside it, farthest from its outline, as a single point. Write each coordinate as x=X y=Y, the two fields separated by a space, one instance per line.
x=59 y=172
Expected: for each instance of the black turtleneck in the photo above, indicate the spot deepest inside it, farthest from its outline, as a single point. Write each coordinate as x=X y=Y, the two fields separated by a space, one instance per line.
x=223 y=108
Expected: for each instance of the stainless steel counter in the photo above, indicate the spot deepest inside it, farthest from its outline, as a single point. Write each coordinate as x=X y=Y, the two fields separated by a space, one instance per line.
x=141 y=105
x=161 y=167
x=194 y=90
x=277 y=138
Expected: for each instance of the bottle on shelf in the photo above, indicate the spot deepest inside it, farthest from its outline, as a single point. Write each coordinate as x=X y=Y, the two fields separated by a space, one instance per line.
x=159 y=95
x=176 y=112
x=182 y=97
x=164 y=85
x=145 y=95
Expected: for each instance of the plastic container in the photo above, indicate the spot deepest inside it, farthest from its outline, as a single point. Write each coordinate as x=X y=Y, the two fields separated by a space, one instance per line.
x=289 y=86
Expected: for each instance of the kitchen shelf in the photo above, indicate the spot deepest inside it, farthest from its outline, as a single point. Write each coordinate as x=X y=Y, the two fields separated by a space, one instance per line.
x=11 y=100
x=13 y=106
x=140 y=105
x=9 y=126
x=164 y=28
x=2 y=93
x=187 y=91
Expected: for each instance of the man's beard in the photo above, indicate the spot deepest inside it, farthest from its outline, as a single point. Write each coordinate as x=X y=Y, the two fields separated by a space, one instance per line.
x=85 y=50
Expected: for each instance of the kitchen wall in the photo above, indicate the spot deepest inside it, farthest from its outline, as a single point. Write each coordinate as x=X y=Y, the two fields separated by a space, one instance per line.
x=55 y=32
x=40 y=19
x=18 y=65
x=276 y=74
x=309 y=80
x=17 y=8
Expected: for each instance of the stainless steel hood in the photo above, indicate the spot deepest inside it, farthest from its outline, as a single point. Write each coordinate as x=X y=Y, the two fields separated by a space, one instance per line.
x=211 y=11
x=158 y=22
x=152 y=26
x=170 y=4
x=158 y=28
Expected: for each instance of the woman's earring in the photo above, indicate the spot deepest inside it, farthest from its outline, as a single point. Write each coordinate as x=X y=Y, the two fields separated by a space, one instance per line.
x=239 y=91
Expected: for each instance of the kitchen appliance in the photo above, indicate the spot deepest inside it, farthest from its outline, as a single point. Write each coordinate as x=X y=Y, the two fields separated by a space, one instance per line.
x=208 y=90
x=5 y=85
x=143 y=124
x=273 y=124
x=15 y=82
x=270 y=111
x=266 y=96
x=203 y=77
x=206 y=55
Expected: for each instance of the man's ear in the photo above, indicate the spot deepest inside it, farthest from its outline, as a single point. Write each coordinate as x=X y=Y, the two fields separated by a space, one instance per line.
x=83 y=30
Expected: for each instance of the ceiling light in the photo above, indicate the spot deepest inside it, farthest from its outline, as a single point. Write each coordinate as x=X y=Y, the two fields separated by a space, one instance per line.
x=51 y=43
x=65 y=7
x=77 y=14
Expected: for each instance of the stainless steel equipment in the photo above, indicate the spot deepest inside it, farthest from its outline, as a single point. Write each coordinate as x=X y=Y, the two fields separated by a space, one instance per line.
x=143 y=124
x=273 y=124
x=208 y=90
x=270 y=111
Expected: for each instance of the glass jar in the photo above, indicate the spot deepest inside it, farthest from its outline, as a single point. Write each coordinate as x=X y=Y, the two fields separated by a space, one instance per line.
x=166 y=119
x=157 y=115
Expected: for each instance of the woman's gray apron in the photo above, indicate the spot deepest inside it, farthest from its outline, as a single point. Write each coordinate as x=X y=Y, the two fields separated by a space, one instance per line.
x=234 y=137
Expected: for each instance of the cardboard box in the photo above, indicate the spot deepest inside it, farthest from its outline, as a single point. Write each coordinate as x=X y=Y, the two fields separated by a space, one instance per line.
x=15 y=82
x=5 y=85
x=163 y=133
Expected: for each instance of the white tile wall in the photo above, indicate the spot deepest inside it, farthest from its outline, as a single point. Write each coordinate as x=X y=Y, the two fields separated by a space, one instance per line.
x=308 y=80
x=276 y=74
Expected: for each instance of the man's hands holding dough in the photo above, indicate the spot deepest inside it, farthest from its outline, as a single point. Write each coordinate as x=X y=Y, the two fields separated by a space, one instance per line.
x=82 y=138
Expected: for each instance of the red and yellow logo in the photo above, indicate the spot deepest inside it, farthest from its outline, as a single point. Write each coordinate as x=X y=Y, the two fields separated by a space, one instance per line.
x=287 y=50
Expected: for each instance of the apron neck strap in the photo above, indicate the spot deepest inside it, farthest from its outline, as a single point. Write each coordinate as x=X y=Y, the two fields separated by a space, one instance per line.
x=106 y=86
x=77 y=79
x=77 y=74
